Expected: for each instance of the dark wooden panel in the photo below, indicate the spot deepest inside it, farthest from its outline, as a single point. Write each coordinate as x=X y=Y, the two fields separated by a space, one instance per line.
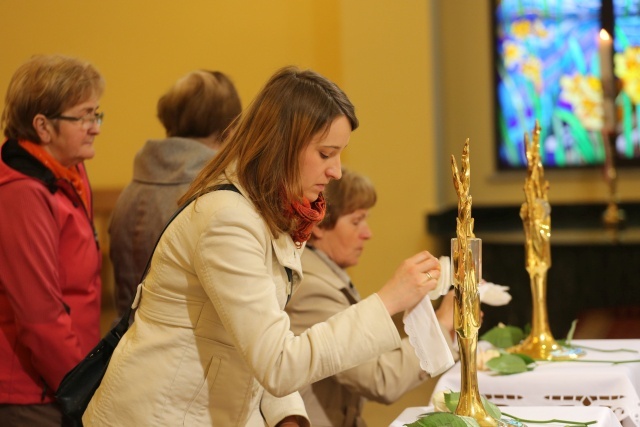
x=592 y=267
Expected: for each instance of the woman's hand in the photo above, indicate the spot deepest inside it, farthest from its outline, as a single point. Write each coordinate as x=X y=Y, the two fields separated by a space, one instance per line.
x=444 y=313
x=293 y=421
x=414 y=278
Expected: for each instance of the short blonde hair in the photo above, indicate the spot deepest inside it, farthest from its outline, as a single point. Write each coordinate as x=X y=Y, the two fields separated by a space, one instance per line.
x=47 y=85
x=352 y=192
x=198 y=105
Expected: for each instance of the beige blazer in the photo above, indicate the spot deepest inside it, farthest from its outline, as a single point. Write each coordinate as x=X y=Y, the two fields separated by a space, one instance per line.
x=337 y=401
x=211 y=344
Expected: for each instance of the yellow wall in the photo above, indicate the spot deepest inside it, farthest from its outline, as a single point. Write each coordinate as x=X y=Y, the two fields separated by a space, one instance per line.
x=379 y=52
x=418 y=72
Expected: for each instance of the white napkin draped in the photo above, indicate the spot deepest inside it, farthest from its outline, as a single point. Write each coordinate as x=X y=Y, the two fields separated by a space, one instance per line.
x=425 y=335
x=444 y=281
x=490 y=293
x=423 y=329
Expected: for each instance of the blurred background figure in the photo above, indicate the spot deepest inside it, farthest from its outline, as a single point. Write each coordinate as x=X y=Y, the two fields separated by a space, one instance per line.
x=197 y=113
x=50 y=260
x=336 y=244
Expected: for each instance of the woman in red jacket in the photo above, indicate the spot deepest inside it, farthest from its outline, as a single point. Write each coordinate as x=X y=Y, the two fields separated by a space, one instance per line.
x=49 y=255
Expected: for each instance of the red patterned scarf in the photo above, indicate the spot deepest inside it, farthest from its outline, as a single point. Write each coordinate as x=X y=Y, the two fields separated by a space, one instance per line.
x=306 y=215
x=70 y=174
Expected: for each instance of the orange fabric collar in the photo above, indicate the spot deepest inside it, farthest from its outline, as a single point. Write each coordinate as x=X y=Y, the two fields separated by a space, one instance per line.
x=306 y=215
x=69 y=174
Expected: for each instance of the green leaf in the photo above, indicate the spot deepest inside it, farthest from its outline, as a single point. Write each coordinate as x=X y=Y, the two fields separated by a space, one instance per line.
x=503 y=336
x=491 y=408
x=451 y=400
x=572 y=330
x=443 y=419
x=528 y=360
x=507 y=364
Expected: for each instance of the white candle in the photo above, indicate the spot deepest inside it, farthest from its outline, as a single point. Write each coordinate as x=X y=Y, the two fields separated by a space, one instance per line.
x=605 y=46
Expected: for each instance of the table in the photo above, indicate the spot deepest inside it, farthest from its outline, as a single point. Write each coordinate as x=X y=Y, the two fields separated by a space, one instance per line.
x=567 y=383
x=603 y=416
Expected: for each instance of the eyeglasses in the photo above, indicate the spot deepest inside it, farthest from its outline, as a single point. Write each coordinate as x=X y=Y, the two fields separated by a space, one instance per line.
x=86 y=121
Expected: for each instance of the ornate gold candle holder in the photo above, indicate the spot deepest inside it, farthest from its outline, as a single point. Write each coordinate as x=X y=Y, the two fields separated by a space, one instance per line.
x=536 y=218
x=466 y=272
x=613 y=217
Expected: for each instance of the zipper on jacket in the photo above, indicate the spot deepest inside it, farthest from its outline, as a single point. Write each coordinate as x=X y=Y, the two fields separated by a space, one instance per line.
x=69 y=188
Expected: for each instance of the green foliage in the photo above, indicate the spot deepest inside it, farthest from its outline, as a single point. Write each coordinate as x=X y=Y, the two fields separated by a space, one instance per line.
x=451 y=400
x=507 y=364
x=503 y=336
x=444 y=419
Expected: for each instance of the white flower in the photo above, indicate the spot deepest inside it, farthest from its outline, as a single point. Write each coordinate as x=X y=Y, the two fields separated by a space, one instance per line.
x=492 y=294
x=437 y=400
x=483 y=356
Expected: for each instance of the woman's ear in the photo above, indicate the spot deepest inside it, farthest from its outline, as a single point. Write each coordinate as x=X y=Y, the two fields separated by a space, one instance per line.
x=43 y=128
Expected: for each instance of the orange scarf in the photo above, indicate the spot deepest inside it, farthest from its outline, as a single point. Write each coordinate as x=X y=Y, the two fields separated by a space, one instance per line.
x=60 y=172
x=305 y=215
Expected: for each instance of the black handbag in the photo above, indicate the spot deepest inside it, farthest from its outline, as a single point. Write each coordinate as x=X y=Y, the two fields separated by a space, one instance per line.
x=80 y=383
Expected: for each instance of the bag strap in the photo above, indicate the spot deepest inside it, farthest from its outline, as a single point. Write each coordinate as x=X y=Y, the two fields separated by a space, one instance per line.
x=123 y=324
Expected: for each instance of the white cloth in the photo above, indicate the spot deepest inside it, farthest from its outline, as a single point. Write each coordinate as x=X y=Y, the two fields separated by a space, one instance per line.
x=425 y=335
x=444 y=281
x=490 y=293
x=603 y=416
x=568 y=383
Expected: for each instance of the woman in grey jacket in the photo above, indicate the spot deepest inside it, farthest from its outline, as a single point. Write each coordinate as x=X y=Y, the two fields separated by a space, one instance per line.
x=196 y=113
x=211 y=343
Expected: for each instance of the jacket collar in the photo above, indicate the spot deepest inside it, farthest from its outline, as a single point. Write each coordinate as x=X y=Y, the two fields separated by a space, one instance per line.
x=17 y=158
x=284 y=247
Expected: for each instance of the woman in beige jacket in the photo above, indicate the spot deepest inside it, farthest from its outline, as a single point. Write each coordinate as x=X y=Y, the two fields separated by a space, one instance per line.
x=211 y=344
x=335 y=245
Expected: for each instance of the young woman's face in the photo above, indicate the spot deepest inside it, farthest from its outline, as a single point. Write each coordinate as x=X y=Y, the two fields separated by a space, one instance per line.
x=320 y=160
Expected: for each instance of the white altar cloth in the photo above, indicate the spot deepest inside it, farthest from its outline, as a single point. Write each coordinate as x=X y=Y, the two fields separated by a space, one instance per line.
x=603 y=416
x=568 y=383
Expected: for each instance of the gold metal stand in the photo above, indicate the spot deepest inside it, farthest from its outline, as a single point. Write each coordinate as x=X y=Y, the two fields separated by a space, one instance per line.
x=613 y=217
x=466 y=260
x=536 y=218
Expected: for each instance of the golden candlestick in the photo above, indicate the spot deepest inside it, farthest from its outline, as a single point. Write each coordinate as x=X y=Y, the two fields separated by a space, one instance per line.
x=536 y=218
x=465 y=275
x=613 y=217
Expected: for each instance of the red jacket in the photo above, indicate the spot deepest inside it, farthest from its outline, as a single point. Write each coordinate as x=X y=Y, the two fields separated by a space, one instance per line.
x=50 y=284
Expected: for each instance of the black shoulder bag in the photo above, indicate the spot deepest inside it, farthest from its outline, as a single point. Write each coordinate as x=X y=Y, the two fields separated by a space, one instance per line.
x=79 y=384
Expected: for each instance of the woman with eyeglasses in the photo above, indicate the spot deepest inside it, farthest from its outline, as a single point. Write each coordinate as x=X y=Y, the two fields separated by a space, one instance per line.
x=49 y=255
x=211 y=343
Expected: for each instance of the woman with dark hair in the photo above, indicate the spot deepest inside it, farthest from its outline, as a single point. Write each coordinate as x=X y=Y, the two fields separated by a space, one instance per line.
x=197 y=112
x=211 y=343
x=50 y=261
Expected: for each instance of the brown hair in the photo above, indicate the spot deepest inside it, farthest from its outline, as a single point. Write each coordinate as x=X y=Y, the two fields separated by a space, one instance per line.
x=48 y=85
x=352 y=192
x=289 y=111
x=200 y=104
